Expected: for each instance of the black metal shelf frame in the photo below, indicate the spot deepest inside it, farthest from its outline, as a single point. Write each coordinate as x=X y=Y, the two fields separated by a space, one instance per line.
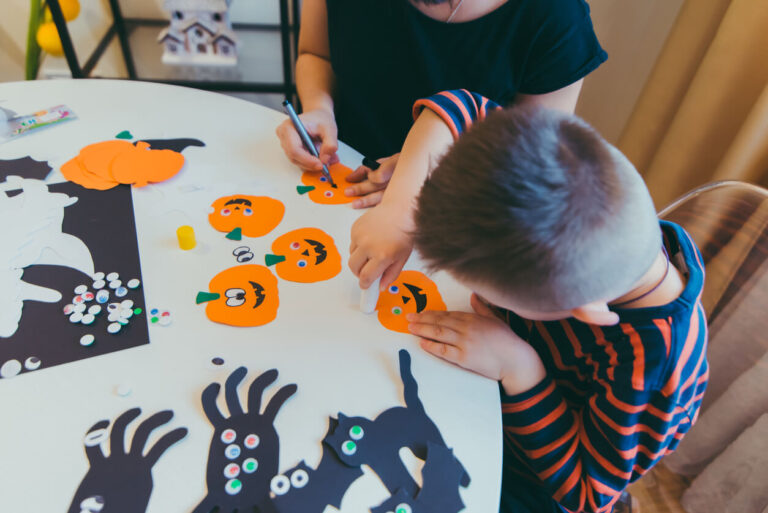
x=120 y=27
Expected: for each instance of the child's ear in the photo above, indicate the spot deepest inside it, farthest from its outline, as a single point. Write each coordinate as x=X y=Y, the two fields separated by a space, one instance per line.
x=596 y=313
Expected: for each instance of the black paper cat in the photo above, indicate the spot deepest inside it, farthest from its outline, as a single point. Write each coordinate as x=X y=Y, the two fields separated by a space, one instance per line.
x=441 y=476
x=376 y=443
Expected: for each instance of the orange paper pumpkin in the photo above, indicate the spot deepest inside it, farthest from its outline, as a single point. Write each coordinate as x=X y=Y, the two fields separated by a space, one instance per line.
x=322 y=192
x=104 y=165
x=305 y=255
x=254 y=215
x=245 y=295
x=411 y=292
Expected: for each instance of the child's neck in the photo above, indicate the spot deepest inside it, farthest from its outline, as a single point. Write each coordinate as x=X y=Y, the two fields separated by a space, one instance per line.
x=668 y=282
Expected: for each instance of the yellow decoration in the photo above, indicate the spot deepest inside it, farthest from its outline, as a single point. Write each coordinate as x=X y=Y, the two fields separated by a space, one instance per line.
x=69 y=8
x=48 y=39
x=186 y=236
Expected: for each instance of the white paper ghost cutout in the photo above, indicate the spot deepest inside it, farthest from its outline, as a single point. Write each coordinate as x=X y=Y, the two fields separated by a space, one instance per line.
x=30 y=234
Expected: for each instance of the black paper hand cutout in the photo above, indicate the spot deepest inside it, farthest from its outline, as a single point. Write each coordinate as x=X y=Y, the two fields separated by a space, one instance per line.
x=245 y=448
x=122 y=481
x=306 y=490
x=376 y=443
x=441 y=477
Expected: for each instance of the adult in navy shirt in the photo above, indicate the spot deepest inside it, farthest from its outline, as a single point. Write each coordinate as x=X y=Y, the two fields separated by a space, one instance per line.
x=363 y=63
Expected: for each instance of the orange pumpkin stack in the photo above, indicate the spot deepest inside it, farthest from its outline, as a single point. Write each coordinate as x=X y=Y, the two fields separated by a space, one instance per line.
x=106 y=164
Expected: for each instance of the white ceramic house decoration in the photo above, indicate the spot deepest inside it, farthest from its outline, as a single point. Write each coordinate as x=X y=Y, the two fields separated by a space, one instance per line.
x=200 y=33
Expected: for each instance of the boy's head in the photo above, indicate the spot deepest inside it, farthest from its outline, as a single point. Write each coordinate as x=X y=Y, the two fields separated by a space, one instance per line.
x=538 y=213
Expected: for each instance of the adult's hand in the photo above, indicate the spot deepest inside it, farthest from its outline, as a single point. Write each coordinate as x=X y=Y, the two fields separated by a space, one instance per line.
x=321 y=126
x=370 y=183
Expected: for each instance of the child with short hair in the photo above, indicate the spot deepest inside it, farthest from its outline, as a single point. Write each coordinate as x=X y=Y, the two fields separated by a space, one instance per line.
x=600 y=348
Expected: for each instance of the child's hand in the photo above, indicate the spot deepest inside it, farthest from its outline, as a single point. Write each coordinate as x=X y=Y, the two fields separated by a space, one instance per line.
x=481 y=343
x=370 y=183
x=321 y=126
x=381 y=245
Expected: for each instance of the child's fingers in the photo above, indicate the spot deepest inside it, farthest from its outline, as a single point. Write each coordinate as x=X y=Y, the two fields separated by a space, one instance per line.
x=372 y=269
x=356 y=261
x=455 y=320
x=294 y=148
x=369 y=200
x=445 y=351
x=391 y=273
x=358 y=175
x=438 y=332
x=363 y=188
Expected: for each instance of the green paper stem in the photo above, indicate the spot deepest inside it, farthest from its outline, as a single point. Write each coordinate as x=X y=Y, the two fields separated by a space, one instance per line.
x=273 y=259
x=204 y=297
x=303 y=189
x=236 y=234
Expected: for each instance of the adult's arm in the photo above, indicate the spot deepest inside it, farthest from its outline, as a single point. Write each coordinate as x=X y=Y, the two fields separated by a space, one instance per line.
x=315 y=84
x=564 y=99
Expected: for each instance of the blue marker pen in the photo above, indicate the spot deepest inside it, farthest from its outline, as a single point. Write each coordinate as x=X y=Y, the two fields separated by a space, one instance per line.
x=305 y=138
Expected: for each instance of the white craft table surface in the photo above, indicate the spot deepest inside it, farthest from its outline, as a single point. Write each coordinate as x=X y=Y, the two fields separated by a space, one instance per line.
x=341 y=360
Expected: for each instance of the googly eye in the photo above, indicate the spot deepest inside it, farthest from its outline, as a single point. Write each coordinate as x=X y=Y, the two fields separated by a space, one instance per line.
x=225 y=212
x=247 y=212
x=280 y=485
x=349 y=447
x=93 y=504
x=252 y=441
x=245 y=257
x=328 y=194
x=323 y=179
x=356 y=432
x=394 y=289
x=403 y=508
x=397 y=310
x=301 y=263
x=240 y=250
x=299 y=478
x=295 y=245
x=250 y=465
x=235 y=297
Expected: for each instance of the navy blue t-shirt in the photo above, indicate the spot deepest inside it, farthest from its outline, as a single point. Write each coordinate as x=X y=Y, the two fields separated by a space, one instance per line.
x=386 y=54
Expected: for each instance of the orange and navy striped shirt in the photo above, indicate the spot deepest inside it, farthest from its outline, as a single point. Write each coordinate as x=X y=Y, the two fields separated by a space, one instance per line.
x=616 y=398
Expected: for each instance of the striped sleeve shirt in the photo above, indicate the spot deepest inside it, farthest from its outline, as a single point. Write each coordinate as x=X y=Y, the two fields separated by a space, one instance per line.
x=616 y=399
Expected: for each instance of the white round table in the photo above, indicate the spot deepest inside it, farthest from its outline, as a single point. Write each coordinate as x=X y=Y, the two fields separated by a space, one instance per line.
x=341 y=360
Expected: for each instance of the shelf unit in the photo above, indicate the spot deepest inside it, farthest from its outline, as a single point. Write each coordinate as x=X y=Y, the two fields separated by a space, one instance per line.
x=258 y=43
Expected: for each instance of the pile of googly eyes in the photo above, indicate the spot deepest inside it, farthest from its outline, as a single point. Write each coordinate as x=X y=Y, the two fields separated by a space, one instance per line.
x=87 y=305
x=243 y=254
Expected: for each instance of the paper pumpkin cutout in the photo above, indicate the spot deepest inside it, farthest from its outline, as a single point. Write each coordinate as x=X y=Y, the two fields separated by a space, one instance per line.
x=244 y=454
x=442 y=475
x=306 y=255
x=245 y=295
x=411 y=292
x=122 y=481
x=320 y=190
x=106 y=164
x=376 y=443
x=254 y=216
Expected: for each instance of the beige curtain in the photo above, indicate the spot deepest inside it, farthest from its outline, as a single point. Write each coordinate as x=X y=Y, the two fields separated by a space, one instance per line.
x=703 y=115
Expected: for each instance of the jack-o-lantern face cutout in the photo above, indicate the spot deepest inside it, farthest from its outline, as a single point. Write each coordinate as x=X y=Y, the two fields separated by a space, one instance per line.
x=245 y=295
x=252 y=216
x=320 y=190
x=305 y=255
x=411 y=292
